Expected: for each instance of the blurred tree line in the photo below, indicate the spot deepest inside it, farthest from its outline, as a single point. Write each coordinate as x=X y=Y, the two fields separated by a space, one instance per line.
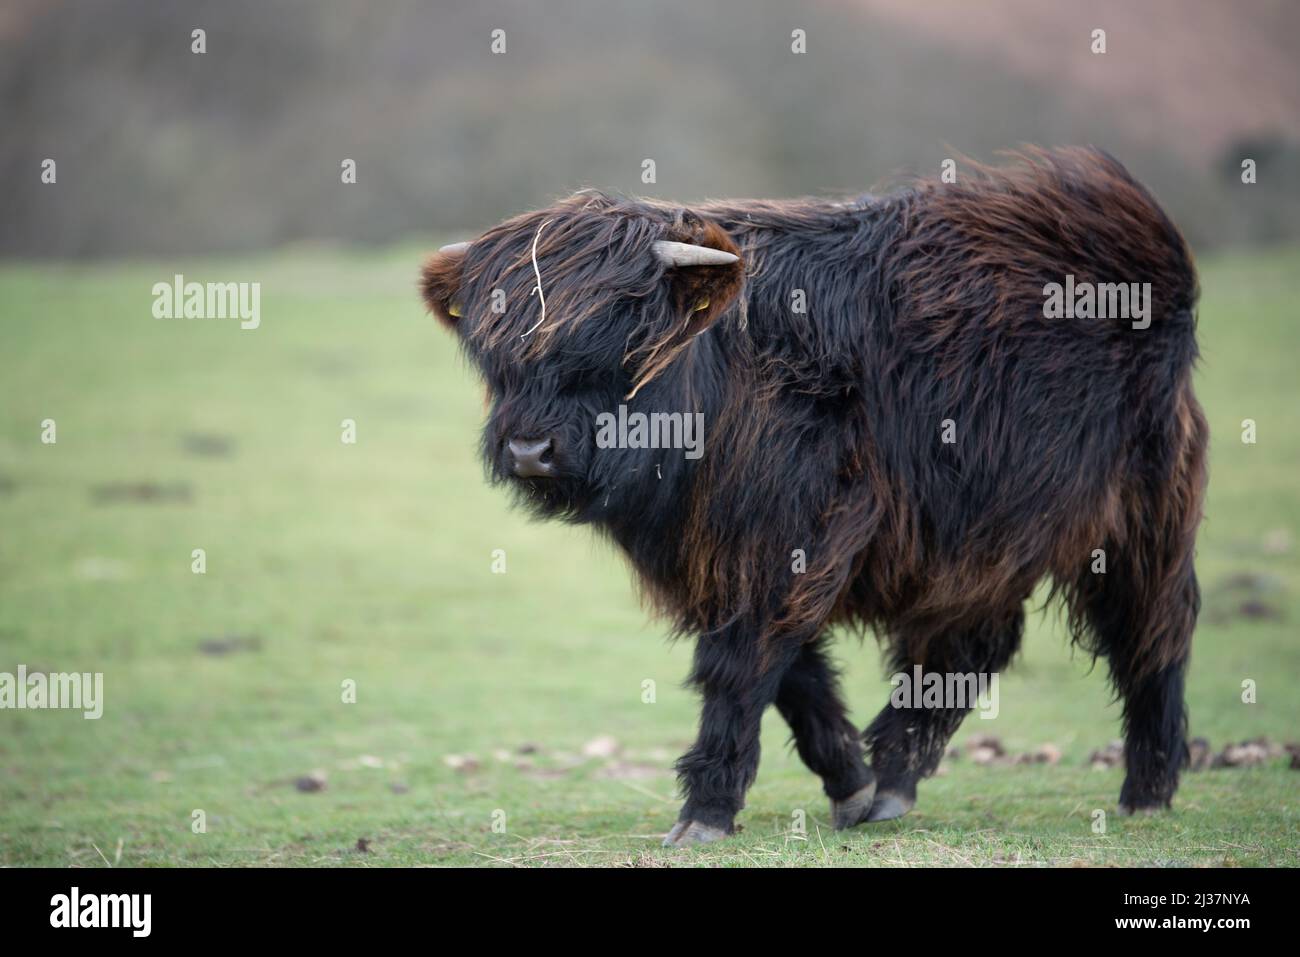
x=161 y=149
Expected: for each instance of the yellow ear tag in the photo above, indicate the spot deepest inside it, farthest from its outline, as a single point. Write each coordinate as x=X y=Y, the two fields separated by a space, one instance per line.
x=702 y=304
x=454 y=309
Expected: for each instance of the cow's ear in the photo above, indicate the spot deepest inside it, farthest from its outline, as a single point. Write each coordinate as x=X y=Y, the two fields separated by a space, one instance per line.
x=699 y=292
x=440 y=281
x=702 y=293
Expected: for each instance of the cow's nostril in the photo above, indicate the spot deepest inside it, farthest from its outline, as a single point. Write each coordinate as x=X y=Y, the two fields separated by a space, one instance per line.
x=532 y=458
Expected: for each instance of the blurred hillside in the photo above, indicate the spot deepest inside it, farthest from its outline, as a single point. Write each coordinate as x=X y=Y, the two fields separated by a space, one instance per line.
x=159 y=149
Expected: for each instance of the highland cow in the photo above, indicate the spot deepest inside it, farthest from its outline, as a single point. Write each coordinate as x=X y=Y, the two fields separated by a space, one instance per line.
x=901 y=436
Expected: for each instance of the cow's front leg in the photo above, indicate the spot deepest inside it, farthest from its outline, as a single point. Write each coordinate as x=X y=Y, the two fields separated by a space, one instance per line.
x=738 y=680
x=809 y=699
x=907 y=744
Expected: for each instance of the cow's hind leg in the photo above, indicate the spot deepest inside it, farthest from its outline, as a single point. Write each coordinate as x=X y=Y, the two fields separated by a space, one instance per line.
x=1144 y=628
x=907 y=743
x=809 y=700
x=738 y=678
x=1140 y=612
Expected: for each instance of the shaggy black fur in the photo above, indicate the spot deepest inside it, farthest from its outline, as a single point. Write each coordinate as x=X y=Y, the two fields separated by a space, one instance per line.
x=824 y=436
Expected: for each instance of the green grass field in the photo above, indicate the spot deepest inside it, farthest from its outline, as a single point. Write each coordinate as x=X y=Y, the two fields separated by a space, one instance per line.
x=372 y=562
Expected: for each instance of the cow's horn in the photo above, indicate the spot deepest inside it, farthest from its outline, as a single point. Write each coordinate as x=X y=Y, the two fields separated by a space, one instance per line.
x=454 y=248
x=686 y=254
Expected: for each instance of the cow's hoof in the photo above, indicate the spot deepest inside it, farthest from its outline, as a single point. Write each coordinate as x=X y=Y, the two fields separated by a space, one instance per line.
x=853 y=810
x=889 y=805
x=686 y=833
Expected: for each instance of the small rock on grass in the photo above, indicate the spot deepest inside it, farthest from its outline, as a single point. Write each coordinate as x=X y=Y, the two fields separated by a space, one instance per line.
x=1247 y=753
x=987 y=750
x=461 y=763
x=309 y=783
x=604 y=746
x=984 y=749
x=1199 y=754
x=112 y=493
x=230 y=644
x=1258 y=609
x=1111 y=756
x=1043 y=754
x=208 y=444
